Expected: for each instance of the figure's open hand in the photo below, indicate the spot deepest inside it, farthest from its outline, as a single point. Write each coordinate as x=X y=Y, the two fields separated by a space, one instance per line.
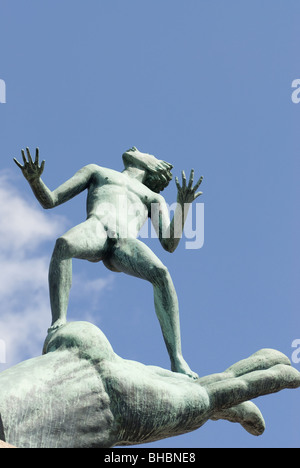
x=187 y=193
x=32 y=170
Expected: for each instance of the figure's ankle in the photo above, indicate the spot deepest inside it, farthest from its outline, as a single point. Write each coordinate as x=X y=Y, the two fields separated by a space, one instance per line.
x=57 y=324
x=181 y=366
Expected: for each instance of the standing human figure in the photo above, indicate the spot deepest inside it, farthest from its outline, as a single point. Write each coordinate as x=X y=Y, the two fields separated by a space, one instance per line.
x=110 y=235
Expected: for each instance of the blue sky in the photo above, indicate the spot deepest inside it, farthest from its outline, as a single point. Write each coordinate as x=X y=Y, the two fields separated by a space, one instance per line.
x=203 y=85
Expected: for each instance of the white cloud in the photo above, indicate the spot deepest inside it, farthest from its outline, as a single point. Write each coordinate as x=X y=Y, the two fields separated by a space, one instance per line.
x=23 y=226
x=25 y=233
x=24 y=303
x=17 y=276
x=87 y=294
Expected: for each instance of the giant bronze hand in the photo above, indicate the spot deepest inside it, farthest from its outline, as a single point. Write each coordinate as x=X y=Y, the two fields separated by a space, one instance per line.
x=81 y=394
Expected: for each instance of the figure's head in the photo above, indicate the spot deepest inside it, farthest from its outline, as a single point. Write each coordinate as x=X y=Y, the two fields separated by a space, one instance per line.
x=157 y=172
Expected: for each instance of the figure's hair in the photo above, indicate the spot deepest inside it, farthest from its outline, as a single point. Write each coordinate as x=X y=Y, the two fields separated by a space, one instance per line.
x=159 y=179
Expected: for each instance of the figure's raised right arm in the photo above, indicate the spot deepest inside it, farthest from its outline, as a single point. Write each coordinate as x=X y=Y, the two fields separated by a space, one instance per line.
x=32 y=171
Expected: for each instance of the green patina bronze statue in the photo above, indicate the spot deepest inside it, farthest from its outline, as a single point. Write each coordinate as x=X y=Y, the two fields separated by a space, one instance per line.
x=118 y=205
x=80 y=393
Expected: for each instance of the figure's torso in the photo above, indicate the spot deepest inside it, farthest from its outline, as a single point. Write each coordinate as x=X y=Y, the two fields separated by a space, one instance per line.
x=120 y=202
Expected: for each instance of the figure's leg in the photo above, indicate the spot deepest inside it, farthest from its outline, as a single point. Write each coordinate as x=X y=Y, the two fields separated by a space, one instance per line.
x=85 y=241
x=133 y=257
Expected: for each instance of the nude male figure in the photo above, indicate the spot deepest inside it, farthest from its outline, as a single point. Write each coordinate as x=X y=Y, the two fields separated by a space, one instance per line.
x=100 y=237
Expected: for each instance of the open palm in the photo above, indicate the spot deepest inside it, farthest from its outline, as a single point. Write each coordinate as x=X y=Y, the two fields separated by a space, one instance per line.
x=31 y=169
x=187 y=193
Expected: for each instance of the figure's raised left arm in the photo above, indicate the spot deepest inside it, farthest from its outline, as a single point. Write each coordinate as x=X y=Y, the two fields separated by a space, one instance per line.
x=170 y=232
x=32 y=171
x=187 y=193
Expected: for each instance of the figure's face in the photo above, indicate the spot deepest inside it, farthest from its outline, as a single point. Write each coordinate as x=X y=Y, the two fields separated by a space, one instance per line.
x=133 y=157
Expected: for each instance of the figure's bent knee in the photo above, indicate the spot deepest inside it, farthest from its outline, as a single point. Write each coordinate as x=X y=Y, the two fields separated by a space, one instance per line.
x=63 y=247
x=160 y=275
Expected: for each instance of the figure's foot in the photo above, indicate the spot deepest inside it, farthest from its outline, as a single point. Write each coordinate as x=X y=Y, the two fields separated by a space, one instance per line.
x=181 y=366
x=59 y=323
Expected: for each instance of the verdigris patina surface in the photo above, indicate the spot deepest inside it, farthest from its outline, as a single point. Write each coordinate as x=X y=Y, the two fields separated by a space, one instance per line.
x=118 y=205
x=79 y=393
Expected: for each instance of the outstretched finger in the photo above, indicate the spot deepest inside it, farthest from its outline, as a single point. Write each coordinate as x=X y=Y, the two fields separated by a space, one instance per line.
x=37 y=156
x=191 y=181
x=29 y=156
x=18 y=164
x=183 y=180
x=262 y=359
x=198 y=183
x=252 y=385
x=23 y=156
x=177 y=183
x=247 y=414
x=197 y=195
x=42 y=166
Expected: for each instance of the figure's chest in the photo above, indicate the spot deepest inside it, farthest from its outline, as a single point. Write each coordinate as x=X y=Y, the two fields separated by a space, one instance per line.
x=108 y=177
x=123 y=184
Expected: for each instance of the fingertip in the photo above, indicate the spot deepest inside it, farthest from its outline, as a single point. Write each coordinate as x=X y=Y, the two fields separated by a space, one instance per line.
x=17 y=163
